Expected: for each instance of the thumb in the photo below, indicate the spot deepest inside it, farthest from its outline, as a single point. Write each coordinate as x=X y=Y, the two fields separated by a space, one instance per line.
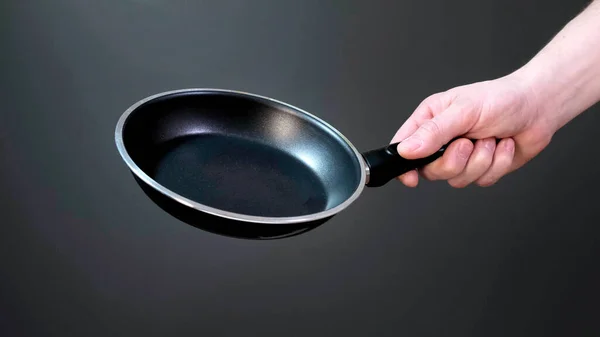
x=436 y=132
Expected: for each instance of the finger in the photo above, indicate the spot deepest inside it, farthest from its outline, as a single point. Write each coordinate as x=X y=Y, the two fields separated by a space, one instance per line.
x=536 y=144
x=501 y=164
x=452 y=163
x=437 y=131
x=479 y=162
x=407 y=129
x=410 y=179
x=422 y=113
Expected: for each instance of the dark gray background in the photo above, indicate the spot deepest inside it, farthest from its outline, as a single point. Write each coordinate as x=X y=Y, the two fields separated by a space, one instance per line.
x=84 y=253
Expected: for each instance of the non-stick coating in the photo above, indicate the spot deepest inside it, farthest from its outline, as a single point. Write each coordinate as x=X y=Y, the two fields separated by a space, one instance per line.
x=241 y=154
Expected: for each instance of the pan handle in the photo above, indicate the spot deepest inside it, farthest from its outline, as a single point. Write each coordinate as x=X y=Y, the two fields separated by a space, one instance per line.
x=386 y=164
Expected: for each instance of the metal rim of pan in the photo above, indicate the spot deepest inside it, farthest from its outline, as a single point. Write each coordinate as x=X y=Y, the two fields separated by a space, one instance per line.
x=227 y=214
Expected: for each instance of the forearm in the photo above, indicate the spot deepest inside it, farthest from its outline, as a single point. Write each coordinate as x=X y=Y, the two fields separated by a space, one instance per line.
x=564 y=77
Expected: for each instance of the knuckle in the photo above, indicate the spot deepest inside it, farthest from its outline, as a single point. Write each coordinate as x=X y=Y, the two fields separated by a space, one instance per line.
x=450 y=169
x=428 y=174
x=485 y=183
x=503 y=162
x=458 y=183
x=431 y=99
x=432 y=171
x=488 y=180
x=488 y=145
x=465 y=107
x=436 y=102
x=435 y=97
x=432 y=127
x=482 y=160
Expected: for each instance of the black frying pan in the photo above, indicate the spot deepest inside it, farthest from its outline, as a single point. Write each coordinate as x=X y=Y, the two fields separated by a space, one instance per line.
x=245 y=165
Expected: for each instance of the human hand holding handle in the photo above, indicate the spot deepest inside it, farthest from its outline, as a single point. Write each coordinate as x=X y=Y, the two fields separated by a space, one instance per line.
x=512 y=118
x=466 y=113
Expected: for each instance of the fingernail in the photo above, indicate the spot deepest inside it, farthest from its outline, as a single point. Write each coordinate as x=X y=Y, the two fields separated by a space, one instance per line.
x=490 y=146
x=410 y=144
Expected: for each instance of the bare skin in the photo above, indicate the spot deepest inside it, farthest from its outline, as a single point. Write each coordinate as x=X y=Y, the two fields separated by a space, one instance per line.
x=523 y=110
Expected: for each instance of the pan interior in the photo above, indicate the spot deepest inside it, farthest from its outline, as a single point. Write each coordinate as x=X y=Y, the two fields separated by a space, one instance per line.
x=241 y=154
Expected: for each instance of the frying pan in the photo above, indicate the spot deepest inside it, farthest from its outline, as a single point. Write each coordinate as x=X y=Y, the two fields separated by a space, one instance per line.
x=245 y=165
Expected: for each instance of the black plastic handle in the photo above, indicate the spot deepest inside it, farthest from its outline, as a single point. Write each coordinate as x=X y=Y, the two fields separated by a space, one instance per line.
x=386 y=164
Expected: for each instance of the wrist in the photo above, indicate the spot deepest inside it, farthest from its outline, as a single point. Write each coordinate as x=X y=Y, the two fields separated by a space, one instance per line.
x=537 y=91
x=555 y=93
x=562 y=79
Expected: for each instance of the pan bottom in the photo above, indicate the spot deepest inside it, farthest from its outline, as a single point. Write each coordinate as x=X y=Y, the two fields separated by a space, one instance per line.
x=239 y=176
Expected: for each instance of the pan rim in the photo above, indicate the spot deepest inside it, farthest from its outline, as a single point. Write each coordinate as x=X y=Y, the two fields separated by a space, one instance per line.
x=220 y=212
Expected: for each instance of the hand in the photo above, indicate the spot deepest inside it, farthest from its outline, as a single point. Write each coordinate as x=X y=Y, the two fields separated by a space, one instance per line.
x=503 y=109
